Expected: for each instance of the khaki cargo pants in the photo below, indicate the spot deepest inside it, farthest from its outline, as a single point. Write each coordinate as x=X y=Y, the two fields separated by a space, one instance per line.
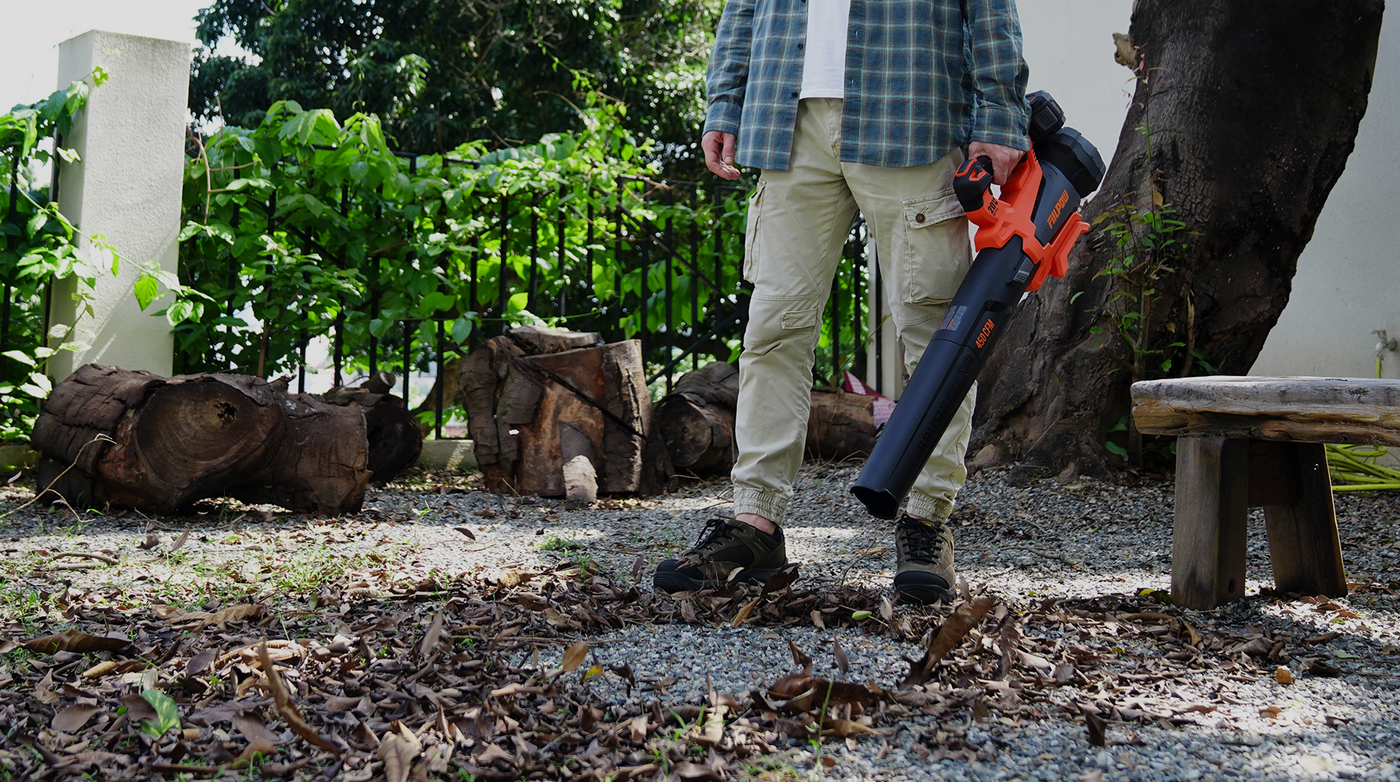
x=797 y=224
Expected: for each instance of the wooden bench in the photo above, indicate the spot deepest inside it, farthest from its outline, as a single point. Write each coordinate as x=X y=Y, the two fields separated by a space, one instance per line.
x=1248 y=442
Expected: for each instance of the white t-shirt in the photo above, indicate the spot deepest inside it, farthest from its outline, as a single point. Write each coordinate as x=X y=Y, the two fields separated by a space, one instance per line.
x=824 y=52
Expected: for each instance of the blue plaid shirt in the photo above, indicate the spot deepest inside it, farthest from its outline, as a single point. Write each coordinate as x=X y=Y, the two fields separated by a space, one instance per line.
x=922 y=77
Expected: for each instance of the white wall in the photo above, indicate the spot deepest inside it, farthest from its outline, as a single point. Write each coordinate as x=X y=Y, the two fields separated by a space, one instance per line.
x=1069 y=47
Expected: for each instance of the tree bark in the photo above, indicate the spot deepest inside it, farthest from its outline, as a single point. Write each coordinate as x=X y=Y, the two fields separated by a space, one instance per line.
x=535 y=396
x=394 y=436
x=1251 y=110
x=137 y=440
x=696 y=421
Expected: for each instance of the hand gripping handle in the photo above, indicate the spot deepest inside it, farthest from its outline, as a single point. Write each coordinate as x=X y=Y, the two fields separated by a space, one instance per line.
x=973 y=182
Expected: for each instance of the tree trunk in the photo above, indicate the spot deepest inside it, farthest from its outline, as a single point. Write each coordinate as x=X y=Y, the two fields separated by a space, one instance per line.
x=137 y=440
x=1250 y=111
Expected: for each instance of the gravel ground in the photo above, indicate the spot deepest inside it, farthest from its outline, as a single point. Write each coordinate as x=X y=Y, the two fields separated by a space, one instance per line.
x=1042 y=541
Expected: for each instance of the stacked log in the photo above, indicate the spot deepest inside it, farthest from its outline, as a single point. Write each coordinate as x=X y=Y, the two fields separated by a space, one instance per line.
x=539 y=400
x=696 y=421
x=120 y=438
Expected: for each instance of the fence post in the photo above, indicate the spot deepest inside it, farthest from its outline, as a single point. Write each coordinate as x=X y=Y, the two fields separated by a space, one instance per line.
x=884 y=366
x=131 y=140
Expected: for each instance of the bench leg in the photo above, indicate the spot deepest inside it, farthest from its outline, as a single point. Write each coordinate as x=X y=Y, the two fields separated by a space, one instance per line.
x=1208 y=539
x=1304 y=547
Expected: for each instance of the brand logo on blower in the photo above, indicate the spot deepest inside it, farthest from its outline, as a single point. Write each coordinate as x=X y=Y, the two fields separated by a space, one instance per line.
x=1059 y=207
x=986 y=332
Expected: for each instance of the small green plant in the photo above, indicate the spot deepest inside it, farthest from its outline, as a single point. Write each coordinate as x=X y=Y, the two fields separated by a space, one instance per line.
x=1149 y=240
x=561 y=545
x=167 y=714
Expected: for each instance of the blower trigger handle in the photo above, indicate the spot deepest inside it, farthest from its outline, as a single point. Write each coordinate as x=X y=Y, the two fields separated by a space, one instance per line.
x=972 y=183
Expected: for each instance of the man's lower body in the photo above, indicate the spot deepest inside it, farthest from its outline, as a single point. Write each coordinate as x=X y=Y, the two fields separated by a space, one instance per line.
x=798 y=223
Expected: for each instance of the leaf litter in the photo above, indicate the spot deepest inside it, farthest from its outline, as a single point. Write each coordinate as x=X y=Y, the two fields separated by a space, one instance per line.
x=420 y=680
x=396 y=677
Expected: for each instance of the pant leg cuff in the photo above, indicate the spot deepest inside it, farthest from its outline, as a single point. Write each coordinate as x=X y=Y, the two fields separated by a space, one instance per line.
x=768 y=503
x=927 y=507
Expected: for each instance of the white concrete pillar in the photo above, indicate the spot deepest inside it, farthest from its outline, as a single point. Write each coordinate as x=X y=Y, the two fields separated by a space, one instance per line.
x=126 y=188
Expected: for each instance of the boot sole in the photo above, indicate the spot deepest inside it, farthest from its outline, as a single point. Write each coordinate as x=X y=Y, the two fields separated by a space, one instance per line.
x=925 y=594
x=675 y=581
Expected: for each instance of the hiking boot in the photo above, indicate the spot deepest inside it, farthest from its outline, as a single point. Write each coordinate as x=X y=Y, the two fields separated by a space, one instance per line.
x=924 y=551
x=729 y=552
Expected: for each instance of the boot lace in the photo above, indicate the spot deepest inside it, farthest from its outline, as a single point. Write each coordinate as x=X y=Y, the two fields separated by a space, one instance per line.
x=713 y=536
x=923 y=540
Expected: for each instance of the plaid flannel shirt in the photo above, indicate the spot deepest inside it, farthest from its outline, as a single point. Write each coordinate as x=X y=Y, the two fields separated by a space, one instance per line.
x=922 y=77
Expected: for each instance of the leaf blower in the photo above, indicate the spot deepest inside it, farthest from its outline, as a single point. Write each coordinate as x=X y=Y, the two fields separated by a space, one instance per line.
x=1022 y=237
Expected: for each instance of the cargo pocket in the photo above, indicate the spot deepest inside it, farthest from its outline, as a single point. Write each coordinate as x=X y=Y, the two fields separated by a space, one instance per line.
x=934 y=248
x=751 y=230
x=773 y=320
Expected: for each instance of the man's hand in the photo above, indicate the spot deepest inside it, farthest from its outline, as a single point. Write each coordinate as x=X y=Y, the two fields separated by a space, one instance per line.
x=719 y=153
x=1004 y=159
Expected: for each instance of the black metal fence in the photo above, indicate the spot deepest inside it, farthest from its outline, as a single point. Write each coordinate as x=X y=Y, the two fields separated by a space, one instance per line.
x=672 y=281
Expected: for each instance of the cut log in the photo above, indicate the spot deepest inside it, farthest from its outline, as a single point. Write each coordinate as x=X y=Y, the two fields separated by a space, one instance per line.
x=840 y=425
x=696 y=421
x=393 y=433
x=520 y=404
x=134 y=439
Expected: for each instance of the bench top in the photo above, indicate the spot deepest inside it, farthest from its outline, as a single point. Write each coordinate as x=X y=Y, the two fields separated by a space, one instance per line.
x=1297 y=409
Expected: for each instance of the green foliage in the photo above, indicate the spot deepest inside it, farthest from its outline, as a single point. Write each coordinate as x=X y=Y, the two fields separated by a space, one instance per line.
x=312 y=227
x=1148 y=240
x=441 y=74
x=39 y=246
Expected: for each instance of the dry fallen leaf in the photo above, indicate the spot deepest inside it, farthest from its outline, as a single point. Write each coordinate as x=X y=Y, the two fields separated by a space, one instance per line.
x=953 y=631
x=745 y=612
x=180 y=541
x=573 y=656
x=74 y=717
x=1098 y=729
x=430 y=639
x=800 y=658
x=76 y=641
x=253 y=729
x=282 y=701
x=843 y=664
x=696 y=772
x=844 y=728
x=398 y=754
x=781 y=580
x=255 y=748
x=1282 y=675
x=199 y=663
